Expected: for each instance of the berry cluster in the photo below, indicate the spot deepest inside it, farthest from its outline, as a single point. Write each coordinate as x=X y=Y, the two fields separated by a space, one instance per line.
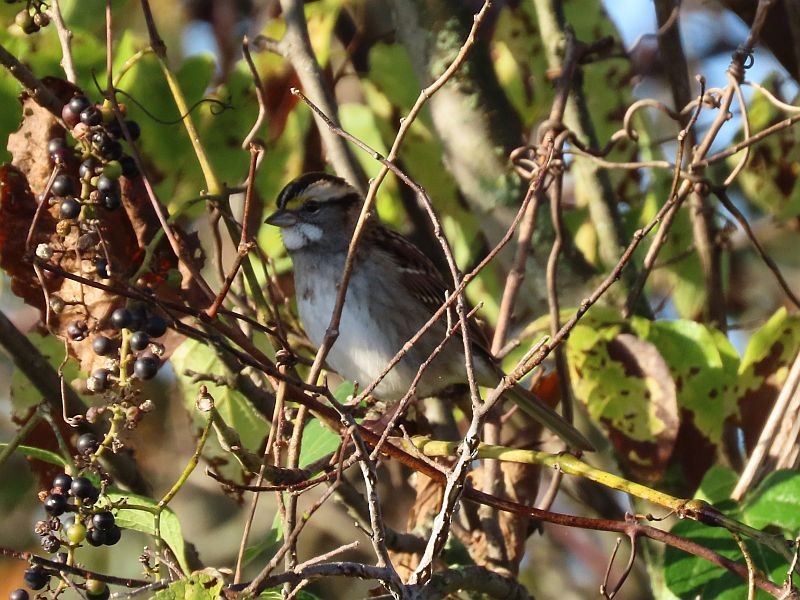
x=142 y=328
x=37 y=577
x=81 y=201
x=102 y=160
x=76 y=495
x=33 y=17
x=102 y=527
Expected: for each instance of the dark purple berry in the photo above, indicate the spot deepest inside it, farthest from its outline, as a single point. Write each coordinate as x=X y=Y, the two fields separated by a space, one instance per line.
x=83 y=488
x=56 y=143
x=78 y=104
x=77 y=331
x=60 y=156
x=70 y=118
x=41 y=19
x=50 y=544
x=101 y=264
x=129 y=168
x=99 y=137
x=134 y=130
x=155 y=326
x=99 y=380
x=139 y=340
x=138 y=318
x=19 y=594
x=36 y=578
x=121 y=318
x=103 y=520
x=102 y=346
x=55 y=504
x=58 y=149
x=62 y=481
x=113 y=535
x=62 y=185
x=69 y=208
x=88 y=167
x=106 y=184
x=95 y=537
x=91 y=116
x=86 y=443
x=110 y=149
x=110 y=199
x=114 y=129
x=145 y=367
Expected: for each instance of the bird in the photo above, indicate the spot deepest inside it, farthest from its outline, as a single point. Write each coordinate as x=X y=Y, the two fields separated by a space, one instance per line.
x=394 y=289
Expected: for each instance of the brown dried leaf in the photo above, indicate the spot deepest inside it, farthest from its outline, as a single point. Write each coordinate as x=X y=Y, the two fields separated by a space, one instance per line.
x=520 y=483
x=120 y=237
x=427 y=503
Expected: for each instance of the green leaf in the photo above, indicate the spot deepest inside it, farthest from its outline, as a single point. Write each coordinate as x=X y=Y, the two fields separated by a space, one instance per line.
x=776 y=501
x=627 y=387
x=704 y=365
x=717 y=485
x=144 y=521
x=318 y=441
x=268 y=545
x=198 y=586
x=777 y=340
x=764 y=369
x=689 y=576
x=359 y=120
x=238 y=412
x=681 y=277
x=39 y=454
x=344 y=392
x=389 y=66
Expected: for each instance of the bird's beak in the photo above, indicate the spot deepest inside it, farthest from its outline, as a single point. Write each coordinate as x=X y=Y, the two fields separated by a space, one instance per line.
x=281 y=218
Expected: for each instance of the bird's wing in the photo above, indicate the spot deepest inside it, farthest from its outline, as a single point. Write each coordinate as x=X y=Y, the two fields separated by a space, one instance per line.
x=423 y=279
x=420 y=275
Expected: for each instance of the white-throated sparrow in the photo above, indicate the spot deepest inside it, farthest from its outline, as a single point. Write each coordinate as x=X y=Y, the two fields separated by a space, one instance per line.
x=394 y=289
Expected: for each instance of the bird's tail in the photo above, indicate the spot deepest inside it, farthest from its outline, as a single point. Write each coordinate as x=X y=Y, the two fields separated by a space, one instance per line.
x=535 y=408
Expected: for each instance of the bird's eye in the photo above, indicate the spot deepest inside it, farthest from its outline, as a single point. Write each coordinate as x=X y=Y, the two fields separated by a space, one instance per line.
x=310 y=208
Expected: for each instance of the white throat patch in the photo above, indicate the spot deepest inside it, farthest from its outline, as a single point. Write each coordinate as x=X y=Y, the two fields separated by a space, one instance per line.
x=300 y=235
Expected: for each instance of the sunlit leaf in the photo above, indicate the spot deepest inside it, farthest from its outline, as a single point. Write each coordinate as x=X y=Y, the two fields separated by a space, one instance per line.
x=144 y=521
x=198 y=586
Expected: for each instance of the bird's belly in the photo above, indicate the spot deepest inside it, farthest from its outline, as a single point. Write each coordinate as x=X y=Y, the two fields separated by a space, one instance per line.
x=364 y=348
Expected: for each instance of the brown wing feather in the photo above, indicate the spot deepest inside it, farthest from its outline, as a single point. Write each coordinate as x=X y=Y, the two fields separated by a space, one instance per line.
x=420 y=275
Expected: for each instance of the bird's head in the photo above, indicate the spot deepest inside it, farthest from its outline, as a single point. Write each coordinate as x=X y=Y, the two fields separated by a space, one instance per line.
x=316 y=208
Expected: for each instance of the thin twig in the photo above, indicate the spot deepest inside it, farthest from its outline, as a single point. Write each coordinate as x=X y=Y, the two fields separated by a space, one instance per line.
x=776 y=416
x=260 y=96
x=245 y=243
x=65 y=38
x=722 y=195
